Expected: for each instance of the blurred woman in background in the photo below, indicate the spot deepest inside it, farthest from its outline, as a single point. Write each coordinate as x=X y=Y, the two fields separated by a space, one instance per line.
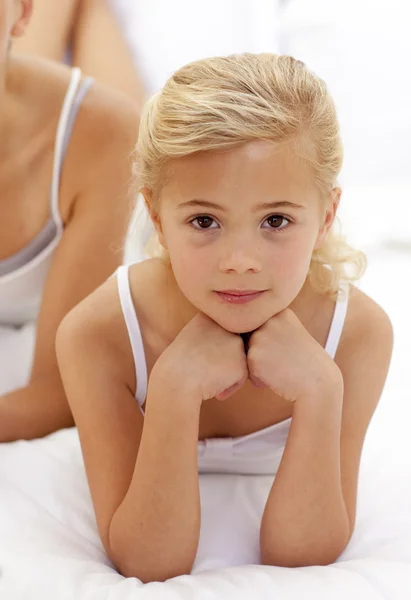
x=65 y=167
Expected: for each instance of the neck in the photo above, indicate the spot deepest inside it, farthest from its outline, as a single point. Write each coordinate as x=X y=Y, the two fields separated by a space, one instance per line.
x=10 y=102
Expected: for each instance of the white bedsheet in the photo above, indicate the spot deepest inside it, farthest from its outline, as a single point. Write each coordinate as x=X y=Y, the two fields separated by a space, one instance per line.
x=50 y=550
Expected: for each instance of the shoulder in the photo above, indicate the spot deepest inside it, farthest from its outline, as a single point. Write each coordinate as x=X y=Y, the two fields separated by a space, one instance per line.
x=365 y=350
x=99 y=164
x=100 y=153
x=366 y=323
x=105 y=135
x=104 y=115
x=94 y=333
x=108 y=117
x=95 y=316
x=99 y=316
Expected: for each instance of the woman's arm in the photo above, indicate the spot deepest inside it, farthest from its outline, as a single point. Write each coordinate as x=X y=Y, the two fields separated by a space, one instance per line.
x=91 y=30
x=50 y=29
x=310 y=513
x=101 y=50
x=97 y=173
x=36 y=410
x=144 y=482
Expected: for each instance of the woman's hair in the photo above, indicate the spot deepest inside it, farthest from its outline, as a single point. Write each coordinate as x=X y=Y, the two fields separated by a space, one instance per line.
x=221 y=103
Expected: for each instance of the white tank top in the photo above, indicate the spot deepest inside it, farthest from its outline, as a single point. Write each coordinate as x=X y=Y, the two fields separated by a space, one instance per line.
x=23 y=276
x=258 y=453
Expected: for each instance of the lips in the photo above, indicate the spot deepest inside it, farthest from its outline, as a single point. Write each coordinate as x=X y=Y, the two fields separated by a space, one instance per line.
x=239 y=296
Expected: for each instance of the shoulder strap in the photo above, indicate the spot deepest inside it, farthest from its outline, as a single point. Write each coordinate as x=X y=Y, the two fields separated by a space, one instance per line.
x=338 y=321
x=72 y=101
x=134 y=333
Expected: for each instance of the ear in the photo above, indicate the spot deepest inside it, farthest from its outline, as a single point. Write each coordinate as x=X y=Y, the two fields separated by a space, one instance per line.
x=24 y=10
x=154 y=215
x=334 y=197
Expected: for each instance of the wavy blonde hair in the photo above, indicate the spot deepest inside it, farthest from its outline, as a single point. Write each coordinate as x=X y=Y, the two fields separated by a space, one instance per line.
x=220 y=103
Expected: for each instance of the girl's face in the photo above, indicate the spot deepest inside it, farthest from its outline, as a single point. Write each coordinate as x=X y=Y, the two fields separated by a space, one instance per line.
x=240 y=227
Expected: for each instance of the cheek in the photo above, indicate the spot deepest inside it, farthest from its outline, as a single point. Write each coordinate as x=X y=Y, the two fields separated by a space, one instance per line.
x=190 y=254
x=192 y=269
x=294 y=256
x=290 y=266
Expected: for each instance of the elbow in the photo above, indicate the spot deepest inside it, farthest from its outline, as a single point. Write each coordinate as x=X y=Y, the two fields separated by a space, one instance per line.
x=151 y=576
x=278 y=548
x=304 y=555
x=131 y=559
x=299 y=559
x=148 y=571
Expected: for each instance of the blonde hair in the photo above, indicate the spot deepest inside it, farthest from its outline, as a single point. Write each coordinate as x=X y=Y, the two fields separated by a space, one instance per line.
x=220 y=103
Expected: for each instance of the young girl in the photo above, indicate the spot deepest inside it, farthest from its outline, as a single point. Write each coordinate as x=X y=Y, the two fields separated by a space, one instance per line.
x=243 y=338
x=65 y=169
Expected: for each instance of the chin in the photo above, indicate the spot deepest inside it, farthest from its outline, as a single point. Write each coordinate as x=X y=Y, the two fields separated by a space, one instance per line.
x=240 y=325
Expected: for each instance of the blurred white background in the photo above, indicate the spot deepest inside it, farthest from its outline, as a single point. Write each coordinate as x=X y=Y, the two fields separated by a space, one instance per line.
x=362 y=48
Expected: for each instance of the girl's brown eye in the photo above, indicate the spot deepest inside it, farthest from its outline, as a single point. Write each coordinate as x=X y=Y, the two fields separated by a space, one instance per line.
x=277 y=222
x=203 y=222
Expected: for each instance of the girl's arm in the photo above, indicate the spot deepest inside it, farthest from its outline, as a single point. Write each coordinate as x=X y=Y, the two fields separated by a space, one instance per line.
x=154 y=532
x=305 y=521
x=144 y=482
x=96 y=179
x=310 y=513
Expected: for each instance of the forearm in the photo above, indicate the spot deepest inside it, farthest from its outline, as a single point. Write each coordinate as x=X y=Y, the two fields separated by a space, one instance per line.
x=305 y=520
x=36 y=410
x=154 y=533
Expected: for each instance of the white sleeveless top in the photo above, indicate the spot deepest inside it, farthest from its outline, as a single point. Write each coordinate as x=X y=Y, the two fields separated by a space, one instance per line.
x=258 y=453
x=23 y=276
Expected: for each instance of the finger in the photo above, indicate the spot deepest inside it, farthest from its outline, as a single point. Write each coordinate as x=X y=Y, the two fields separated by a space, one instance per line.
x=257 y=382
x=231 y=390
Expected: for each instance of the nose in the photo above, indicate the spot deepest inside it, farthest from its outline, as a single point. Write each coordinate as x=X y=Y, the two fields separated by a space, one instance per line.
x=240 y=257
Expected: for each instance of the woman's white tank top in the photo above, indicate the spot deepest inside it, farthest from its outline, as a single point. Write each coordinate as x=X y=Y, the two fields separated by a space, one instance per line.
x=23 y=276
x=258 y=453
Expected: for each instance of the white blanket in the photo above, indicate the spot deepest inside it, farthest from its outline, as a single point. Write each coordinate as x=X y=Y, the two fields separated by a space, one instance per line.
x=50 y=549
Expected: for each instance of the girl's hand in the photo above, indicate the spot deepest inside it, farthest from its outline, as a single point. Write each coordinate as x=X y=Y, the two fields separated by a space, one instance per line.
x=283 y=356
x=204 y=359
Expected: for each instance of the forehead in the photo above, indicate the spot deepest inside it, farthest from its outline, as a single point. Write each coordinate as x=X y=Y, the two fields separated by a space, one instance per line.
x=265 y=168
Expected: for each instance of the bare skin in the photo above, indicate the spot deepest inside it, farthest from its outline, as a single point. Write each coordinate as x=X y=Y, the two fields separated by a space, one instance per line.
x=97 y=43
x=94 y=206
x=143 y=471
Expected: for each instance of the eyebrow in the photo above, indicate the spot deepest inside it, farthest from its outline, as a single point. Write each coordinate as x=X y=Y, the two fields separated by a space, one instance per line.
x=265 y=206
